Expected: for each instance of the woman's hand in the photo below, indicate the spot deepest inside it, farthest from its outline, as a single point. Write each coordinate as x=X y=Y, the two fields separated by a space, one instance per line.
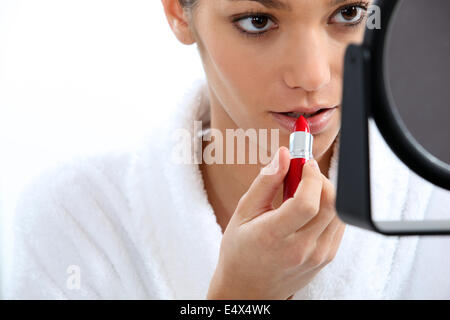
x=269 y=253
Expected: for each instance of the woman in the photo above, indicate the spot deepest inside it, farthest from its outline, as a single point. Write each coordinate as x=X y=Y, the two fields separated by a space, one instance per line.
x=145 y=227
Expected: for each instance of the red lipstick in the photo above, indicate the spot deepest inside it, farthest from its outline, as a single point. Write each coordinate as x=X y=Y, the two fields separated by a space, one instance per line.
x=300 y=148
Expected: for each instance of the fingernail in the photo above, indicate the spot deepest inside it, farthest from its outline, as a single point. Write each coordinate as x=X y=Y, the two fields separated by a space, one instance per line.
x=273 y=166
x=313 y=163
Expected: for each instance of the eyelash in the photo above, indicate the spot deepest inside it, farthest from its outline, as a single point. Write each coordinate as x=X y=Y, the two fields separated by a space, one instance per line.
x=255 y=13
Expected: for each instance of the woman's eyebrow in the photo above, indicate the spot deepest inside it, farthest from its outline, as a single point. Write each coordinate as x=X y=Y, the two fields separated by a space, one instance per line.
x=277 y=4
x=336 y=2
x=271 y=4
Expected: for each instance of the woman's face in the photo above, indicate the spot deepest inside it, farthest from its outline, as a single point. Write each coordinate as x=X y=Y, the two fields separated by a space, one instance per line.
x=266 y=57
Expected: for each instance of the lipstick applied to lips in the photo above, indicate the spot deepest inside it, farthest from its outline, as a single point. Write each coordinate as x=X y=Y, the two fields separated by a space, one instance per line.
x=300 y=148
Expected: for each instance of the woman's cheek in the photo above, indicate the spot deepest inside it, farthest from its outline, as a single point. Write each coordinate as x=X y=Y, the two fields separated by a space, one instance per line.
x=240 y=73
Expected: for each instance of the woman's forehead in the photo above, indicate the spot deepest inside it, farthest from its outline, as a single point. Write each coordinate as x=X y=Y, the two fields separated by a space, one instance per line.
x=288 y=5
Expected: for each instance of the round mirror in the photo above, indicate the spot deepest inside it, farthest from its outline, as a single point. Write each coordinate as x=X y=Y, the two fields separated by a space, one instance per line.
x=400 y=78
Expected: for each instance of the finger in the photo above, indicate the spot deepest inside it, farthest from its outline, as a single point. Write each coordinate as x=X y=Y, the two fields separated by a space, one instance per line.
x=339 y=234
x=311 y=177
x=295 y=212
x=321 y=255
x=263 y=190
x=327 y=212
x=329 y=196
x=325 y=247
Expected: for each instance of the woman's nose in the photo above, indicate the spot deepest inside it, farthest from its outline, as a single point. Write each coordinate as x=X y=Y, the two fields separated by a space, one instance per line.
x=307 y=63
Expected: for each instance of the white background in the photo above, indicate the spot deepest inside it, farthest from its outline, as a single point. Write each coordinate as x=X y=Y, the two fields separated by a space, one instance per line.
x=81 y=77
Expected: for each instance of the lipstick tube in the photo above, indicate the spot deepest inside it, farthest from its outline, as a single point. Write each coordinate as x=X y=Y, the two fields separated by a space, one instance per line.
x=300 y=148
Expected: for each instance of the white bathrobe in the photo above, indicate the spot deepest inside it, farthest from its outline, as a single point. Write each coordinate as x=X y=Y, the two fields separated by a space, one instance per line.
x=137 y=226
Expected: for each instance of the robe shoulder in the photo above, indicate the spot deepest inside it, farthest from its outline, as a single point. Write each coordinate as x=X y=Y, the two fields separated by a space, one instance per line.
x=71 y=238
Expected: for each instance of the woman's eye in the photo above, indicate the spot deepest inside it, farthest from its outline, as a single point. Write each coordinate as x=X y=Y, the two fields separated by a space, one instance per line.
x=349 y=15
x=255 y=24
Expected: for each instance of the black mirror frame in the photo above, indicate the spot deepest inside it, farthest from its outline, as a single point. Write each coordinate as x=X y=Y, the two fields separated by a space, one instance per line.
x=366 y=96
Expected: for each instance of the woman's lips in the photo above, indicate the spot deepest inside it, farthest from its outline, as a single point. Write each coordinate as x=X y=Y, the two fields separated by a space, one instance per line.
x=317 y=123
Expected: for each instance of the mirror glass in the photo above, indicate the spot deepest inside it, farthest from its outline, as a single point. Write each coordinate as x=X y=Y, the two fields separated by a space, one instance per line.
x=417 y=73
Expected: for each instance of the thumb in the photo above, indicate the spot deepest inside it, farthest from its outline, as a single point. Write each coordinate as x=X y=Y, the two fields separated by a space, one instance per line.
x=263 y=190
